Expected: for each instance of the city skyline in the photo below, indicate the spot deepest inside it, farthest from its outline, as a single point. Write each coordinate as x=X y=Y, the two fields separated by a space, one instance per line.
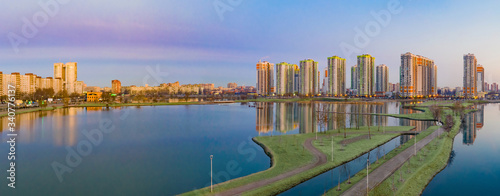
x=221 y=51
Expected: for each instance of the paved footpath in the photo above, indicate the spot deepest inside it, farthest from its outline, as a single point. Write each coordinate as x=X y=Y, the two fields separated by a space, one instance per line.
x=377 y=176
x=320 y=160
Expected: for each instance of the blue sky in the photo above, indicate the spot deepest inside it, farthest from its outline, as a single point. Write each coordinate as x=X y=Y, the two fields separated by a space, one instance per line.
x=190 y=42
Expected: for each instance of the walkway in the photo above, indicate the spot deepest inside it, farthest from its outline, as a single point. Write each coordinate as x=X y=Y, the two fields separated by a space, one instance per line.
x=387 y=169
x=320 y=160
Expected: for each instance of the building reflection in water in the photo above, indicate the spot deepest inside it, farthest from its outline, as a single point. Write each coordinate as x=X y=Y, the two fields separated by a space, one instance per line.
x=286 y=117
x=472 y=124
x=264 y=119
x=419 y=125
x=313 y=117
x=307 y=118
x=62 y=125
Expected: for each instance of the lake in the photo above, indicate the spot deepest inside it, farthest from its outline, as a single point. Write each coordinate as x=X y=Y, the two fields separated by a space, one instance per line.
x=162 y=150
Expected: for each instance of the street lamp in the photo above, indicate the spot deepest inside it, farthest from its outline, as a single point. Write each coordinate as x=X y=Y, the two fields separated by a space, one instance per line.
x=211 y=174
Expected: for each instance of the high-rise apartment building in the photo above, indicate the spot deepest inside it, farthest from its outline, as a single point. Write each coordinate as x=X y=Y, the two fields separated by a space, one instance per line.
x=418 y=76
x=309 y=78
x=69 y=74
x=365 y=73
x=480 y=79
x=470 y=74
x=336 y=76
x=265 y=78
x=382 y=79
x=116 y=87
x=354 y=77
x=285 y=74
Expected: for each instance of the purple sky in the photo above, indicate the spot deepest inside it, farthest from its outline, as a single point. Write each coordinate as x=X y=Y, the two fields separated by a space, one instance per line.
x=192 y=42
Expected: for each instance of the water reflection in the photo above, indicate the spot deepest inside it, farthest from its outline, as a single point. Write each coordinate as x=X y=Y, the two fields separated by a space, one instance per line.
x=62 y=126
x=295 y=118
x=264 y=120
x=472 y=124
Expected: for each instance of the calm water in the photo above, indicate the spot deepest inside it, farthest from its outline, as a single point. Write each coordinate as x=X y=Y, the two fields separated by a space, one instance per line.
x=474 y=168
x=158 y=150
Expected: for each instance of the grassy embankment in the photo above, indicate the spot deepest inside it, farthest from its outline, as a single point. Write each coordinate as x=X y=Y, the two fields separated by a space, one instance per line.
x=429 y=162
x=348 y=153
x=359 y=176
x=287 y=153
x=31 y=110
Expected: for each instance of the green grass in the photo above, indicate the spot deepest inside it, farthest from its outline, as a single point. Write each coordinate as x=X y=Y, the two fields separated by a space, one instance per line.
x=32 y=110
x=350 y=152
x=287 y=153
x=435 y=158
x=362 y=174
x=424 y=115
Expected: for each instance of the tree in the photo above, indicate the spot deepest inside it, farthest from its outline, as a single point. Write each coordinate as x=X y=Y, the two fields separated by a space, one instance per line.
x=436 y=112
x=62 y=94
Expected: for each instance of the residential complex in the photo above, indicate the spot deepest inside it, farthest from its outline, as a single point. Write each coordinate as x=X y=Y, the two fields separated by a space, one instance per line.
x=365 y=74
x=285 y=76
x=265 y=78
x=68 y=73
x=382 y=79
x=336 y=76
x=309 y=78
x=418 y=76
x=65 y=78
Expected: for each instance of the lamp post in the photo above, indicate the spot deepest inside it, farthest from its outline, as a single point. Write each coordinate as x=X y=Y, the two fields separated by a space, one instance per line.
x=367 y=175
x=211 y=175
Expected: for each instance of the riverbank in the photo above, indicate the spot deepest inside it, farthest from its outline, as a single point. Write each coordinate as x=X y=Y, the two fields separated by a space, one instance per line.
x=424 y=169
x=23 y=111
x=290 y=154
x=427 y=164
x=361 y=176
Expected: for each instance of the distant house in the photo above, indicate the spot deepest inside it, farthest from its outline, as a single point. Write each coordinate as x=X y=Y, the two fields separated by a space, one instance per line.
x=93 y=96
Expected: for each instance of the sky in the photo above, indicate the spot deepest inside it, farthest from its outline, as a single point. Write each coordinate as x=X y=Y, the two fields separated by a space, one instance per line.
x=220 y=41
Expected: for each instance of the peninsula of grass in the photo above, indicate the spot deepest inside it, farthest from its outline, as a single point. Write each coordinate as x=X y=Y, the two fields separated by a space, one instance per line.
x=287 y=153
x=362 y=174
x=424 y=114
x=341 y=154
x=428 y=163
x=31 y=110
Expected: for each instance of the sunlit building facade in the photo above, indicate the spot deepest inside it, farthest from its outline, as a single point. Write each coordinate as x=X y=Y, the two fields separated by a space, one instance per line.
x=470 y=74
x=365 y=75
x=116 y=86
x=418 y=76
x=309 y=78
x=285 y=74
x=382 y=79
x=265 y=78
x=336 y=76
